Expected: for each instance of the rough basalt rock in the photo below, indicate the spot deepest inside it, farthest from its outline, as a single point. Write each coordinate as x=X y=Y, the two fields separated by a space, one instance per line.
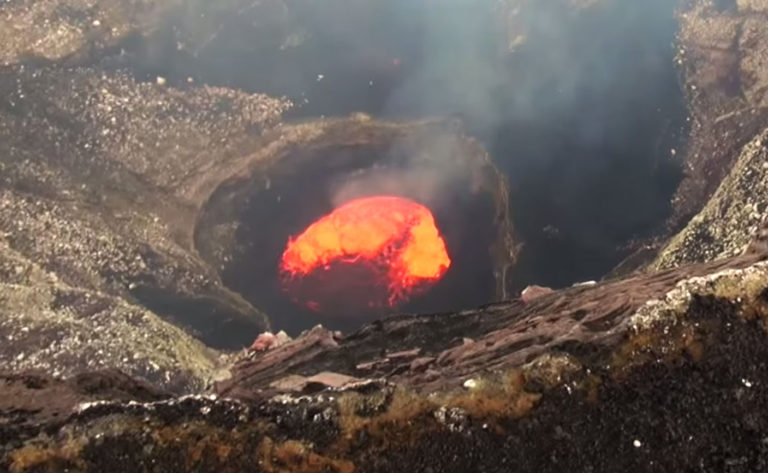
x=114 y=226
x=731 y=219
x=51 y=327
x=455 y=347
x=71 y=30
x=722 y=58
x=657 y=370
x=100 y=177
x=721 y=201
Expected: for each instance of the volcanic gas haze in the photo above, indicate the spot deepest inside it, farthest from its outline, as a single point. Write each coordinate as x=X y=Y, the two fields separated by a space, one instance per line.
x=372 y=252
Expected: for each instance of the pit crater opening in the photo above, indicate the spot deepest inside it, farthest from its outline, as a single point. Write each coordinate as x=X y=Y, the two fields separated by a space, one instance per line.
x=247 y=222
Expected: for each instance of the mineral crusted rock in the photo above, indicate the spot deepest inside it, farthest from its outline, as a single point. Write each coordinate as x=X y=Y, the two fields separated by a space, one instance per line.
x=98 y=172
x=733 y=216
x=721 y=201
x=71 y=29
x=51 y=327
x=722 y=57
x=100 y=177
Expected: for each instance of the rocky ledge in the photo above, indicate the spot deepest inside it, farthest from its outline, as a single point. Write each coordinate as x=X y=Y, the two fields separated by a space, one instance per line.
x=651 y=373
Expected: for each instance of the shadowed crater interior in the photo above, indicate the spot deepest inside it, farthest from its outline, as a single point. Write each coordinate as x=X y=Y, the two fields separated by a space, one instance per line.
x=248 y=221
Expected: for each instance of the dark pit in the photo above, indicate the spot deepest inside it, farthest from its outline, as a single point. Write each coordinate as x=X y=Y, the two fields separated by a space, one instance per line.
x=430 y=163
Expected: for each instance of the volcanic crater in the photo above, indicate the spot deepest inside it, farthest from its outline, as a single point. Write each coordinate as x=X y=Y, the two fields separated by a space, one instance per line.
x=589 y=156
x=244 y=227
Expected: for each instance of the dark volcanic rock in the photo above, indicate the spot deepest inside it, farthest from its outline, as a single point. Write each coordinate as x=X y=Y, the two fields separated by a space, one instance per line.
x=61 y=330
x=722 y=199
x=732 y=217
x=56 y=30
x=666 y=377
x=509 y=334
x=101 y=177
x=29 y=401
x=722 y=56
x=125 y=206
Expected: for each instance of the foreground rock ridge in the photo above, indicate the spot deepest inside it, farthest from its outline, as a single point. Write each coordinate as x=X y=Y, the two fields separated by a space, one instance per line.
x=122 y=335
x=579 y=378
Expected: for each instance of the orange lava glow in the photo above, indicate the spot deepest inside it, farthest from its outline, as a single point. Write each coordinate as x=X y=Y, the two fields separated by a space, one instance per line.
x=372 y=252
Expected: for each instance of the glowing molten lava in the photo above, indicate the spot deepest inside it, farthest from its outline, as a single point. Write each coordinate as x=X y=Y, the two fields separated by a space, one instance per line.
x=371 y=252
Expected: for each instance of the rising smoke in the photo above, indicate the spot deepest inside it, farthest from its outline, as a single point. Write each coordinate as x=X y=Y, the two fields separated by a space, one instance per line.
x=577 y=101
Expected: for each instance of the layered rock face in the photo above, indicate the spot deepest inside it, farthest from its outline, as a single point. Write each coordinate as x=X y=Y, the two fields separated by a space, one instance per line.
x=722 y=57
x=122 y=225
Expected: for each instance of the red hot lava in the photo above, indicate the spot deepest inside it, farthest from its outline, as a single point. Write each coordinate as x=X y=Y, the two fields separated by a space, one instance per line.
x=372 y=252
